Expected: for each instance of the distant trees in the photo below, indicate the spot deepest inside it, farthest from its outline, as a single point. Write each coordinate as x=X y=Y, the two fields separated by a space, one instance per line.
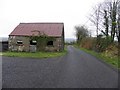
x=81 y=32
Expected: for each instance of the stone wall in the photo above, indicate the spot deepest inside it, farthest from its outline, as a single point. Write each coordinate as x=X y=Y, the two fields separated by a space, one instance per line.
x=13 y=46
x=57 y=45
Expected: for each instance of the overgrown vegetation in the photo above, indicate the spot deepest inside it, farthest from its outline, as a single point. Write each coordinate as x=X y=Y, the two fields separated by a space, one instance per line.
x=41 y=38
x=106 y=19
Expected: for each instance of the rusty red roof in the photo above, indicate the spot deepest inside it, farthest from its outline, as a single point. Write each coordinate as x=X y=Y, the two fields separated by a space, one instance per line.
x=29 y=29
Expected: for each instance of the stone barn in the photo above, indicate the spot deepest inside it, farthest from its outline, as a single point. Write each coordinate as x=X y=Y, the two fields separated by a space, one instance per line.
x=22 y=37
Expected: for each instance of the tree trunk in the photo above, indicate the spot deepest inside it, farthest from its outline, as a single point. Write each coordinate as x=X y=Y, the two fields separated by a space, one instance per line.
x=113 y=19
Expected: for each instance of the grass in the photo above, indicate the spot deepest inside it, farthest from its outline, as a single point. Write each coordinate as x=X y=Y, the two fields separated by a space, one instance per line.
x=34 y=55
x=112 y=61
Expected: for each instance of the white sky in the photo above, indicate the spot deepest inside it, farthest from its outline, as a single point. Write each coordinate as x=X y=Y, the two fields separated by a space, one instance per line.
x=70 y=12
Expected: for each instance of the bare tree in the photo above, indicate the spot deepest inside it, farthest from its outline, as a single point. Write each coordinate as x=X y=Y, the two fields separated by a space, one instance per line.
x=106 y=24
x=95 y=17
x=106 y=13
x=113 y=17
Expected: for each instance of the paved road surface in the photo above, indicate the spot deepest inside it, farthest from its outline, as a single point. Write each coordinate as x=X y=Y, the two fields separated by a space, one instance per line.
x=77 y=69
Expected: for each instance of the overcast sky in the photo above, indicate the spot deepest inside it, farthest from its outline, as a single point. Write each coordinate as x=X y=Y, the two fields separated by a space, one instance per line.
x=70 y=12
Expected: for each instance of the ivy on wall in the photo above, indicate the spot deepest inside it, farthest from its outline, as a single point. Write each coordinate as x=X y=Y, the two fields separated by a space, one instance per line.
x=41 y=41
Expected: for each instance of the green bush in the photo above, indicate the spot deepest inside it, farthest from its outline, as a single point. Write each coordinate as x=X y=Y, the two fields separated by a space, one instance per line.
x=102 y=43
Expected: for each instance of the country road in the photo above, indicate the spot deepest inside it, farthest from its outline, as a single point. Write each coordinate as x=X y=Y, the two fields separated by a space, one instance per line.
x=77 y=69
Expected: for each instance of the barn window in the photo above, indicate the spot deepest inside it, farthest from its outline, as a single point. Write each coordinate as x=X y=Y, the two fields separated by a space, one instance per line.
x=19 y=42
x=33 y=42
x=50 y=43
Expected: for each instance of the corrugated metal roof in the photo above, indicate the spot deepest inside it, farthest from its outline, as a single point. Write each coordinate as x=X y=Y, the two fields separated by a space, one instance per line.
x=29 y=29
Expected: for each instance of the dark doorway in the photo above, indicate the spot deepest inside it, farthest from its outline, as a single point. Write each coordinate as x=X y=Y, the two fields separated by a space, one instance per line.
x=33 y=42
x=50 y=43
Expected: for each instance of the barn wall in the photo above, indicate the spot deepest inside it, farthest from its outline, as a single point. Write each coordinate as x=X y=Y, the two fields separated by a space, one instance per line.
x=62 y=37
x=59 y=43
x=13 y=46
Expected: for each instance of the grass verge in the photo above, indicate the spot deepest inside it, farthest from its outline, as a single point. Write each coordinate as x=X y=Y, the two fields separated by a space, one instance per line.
x=34 y=55
x=110 y=60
